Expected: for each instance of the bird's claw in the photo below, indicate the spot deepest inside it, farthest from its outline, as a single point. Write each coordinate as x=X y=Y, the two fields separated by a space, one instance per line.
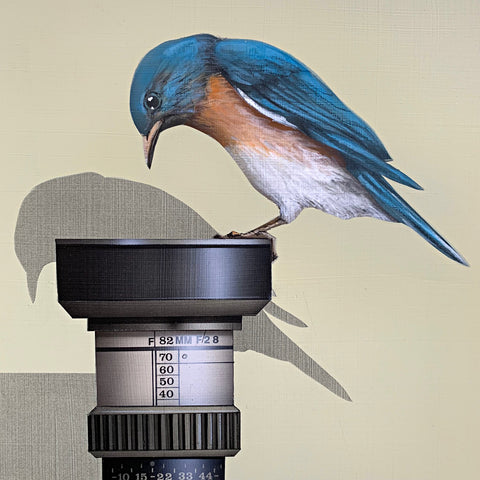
x=230 y=235
x=253 y=234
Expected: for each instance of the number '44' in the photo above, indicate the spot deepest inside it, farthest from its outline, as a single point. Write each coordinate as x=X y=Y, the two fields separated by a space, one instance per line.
x=206 y=476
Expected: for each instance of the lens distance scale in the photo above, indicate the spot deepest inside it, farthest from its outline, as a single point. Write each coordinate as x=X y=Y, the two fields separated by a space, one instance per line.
x=164 y=469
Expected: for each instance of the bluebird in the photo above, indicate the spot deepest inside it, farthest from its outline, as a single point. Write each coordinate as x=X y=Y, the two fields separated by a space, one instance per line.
x=297 y=143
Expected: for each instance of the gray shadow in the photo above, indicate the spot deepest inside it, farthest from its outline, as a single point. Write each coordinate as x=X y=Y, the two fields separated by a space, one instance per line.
x=89 y=205
x=44 y=426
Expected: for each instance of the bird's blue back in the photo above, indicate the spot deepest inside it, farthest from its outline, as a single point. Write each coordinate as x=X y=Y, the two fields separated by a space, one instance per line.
x=283 y=85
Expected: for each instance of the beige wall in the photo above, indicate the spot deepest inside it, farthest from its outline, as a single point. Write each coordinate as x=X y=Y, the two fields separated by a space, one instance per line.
x=391 y=318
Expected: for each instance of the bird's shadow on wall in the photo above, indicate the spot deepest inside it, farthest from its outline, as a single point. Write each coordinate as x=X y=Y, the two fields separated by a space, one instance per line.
x=89 y=205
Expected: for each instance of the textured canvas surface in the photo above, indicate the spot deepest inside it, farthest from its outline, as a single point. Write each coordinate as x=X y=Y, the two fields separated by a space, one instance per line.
x=387 y=316
x=43 y=419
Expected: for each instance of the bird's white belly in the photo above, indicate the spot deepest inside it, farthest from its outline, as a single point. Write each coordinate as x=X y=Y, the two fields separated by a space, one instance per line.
x=295 y=178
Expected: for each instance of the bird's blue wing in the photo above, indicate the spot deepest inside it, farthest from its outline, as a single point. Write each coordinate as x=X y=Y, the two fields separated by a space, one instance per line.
x=284 y=86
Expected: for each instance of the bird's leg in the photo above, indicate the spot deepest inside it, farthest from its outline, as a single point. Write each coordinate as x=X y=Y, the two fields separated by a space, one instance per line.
x=276 y=222
x=259 y=232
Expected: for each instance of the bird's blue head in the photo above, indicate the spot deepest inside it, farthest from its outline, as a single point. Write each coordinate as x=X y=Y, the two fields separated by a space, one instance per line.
x=168 y=83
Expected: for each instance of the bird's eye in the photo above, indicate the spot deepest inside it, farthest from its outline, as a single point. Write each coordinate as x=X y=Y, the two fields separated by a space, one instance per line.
x=152 y=101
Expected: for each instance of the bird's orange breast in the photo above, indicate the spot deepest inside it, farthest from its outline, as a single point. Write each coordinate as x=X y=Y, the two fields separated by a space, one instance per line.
x=225 y=116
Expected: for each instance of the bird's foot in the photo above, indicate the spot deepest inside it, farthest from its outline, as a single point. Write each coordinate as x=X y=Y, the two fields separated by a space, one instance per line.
x=251 y=234
x=255 y=234
x=232 y=234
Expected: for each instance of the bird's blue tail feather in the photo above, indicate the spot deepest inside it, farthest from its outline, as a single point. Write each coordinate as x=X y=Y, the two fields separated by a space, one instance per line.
x=401 y=211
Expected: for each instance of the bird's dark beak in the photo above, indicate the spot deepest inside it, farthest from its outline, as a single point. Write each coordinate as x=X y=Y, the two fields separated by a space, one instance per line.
x=149 y=142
